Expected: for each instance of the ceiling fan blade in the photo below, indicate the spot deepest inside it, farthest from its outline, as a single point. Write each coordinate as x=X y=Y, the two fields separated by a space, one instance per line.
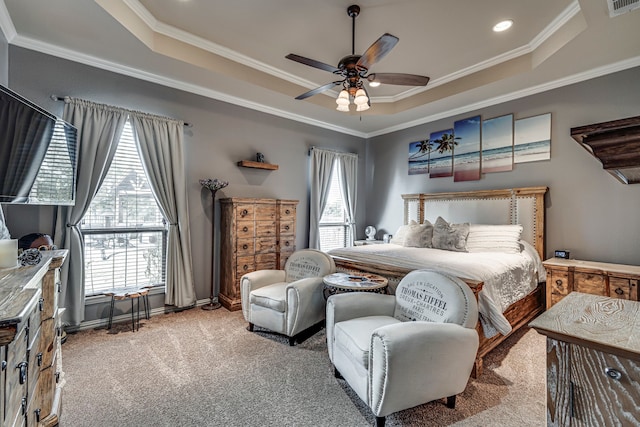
x=398 y=79
x=377 y=50
x=312 y=63
x=318 y=90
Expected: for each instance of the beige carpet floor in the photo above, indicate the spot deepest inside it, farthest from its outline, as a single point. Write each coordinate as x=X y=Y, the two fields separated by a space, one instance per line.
x=201 y=368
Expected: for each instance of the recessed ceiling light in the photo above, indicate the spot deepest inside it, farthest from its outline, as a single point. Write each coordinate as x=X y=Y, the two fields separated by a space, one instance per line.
x=374 y=84
x=503 y=25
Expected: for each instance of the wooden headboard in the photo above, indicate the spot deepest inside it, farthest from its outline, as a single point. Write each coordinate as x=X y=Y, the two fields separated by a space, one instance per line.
x=523 y=206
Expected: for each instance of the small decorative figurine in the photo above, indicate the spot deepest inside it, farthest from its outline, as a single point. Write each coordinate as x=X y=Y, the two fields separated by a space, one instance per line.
x=260 y=157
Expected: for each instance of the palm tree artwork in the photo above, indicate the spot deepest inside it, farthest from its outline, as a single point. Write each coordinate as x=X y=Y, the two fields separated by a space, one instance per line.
x=441 y=159
x=419 y=152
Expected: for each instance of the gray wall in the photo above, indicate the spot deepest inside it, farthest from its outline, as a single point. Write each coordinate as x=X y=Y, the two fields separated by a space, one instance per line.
x=588 y=211
x=4 y=60
x=222 y=134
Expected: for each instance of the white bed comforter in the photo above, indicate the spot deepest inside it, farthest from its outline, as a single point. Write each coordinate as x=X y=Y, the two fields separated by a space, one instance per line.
x=507 y=277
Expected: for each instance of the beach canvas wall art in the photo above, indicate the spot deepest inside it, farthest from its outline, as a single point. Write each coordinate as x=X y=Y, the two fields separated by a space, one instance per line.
x=466 y=156
x=441 y=155
x=497 y=144
x=419 y=157
x=532 y=141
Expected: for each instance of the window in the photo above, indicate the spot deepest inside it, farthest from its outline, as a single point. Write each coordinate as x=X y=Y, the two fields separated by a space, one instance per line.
x=125 y=237
x=52 y=182
x=334 y=227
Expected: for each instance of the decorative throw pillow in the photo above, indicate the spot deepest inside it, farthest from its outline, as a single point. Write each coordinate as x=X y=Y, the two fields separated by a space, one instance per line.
x=450 y=237
x=494 y=238
x=419 y=235
x=414 y=235
x=401 y=233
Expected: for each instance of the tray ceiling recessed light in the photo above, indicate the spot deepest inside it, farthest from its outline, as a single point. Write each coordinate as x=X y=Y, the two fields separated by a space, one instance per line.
x=503 y=25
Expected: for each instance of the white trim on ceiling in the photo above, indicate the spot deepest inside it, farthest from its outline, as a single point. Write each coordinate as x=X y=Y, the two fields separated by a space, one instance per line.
x=13 y=38
x=199 y=42
x=6 y=24
x=565 y=81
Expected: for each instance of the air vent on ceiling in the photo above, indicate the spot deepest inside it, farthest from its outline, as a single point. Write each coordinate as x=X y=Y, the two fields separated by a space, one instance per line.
x=619 y=7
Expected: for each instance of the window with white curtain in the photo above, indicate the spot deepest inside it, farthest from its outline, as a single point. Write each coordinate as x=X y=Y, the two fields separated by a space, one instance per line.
x=334 y=226
x=125 y=237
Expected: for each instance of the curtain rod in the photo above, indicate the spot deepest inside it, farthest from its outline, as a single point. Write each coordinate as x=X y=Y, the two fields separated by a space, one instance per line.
x=313 y=147
x=63 y=98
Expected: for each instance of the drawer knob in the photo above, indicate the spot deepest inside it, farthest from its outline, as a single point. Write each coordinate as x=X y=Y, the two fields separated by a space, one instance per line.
x=23 y=371
x=39 y=358
x=612 y=373
x=41 y=304
x=559 y=282
x=245 y=228
x=37 y=413
x=286 y=243
x=245 y=267
x=619 y=291
x=287 y=212
x=23 y=406
x=245 y=246
x=4 y=365
x=244 y=212
x=286 y=227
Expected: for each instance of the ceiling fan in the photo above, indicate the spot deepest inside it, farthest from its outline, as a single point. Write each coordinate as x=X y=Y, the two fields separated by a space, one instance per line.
x=355 y=68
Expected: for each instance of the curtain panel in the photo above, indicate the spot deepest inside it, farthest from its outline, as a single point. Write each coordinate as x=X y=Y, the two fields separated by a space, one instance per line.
x=160 y=145
x=99 y=129
x=322 y=164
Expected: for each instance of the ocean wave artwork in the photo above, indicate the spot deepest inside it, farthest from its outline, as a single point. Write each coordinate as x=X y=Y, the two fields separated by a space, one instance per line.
x=466 y=155
x=497 y=144
x=532 y=140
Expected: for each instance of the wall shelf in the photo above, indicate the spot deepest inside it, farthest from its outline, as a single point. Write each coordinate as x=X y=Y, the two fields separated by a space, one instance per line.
x=257 y=165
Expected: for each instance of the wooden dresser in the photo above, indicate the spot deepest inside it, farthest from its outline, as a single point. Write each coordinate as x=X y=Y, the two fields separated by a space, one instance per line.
x=256 y=234
x=593 y=361
x=598 y=278
x=30 y=330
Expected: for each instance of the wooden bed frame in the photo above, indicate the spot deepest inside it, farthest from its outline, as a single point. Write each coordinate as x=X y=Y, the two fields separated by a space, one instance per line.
x=523 y=206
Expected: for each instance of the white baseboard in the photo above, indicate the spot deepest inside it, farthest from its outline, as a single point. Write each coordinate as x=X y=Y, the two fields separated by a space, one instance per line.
x=97 y=323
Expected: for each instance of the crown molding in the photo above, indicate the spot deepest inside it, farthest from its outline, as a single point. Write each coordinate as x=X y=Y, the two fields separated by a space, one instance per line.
x=565 y=81
x=191 y=39
x=93 y=61
x=6 y=24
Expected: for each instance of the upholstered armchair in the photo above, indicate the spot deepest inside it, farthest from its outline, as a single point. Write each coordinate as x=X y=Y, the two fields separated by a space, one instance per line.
x=287 y=301
x=403 y=350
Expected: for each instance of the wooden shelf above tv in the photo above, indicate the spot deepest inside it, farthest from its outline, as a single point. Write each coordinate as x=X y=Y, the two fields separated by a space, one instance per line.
x=257 y=165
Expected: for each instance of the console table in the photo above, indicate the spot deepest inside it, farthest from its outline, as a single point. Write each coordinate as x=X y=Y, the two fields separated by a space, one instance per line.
x=593 y=361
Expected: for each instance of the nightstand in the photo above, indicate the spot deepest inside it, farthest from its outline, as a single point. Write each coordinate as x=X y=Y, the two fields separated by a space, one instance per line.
x=366 y=242
x=597 y=278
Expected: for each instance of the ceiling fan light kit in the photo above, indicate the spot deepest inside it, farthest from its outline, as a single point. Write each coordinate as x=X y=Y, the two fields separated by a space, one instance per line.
x=355 y=68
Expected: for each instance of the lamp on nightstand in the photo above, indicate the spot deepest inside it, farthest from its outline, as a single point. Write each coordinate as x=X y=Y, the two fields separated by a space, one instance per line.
x=213 y=185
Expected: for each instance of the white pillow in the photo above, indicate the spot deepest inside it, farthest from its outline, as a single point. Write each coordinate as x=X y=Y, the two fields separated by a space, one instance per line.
x=414 y=235
x=494 y=238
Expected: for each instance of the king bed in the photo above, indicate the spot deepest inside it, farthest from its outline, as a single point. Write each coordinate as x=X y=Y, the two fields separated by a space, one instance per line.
x=492 y=239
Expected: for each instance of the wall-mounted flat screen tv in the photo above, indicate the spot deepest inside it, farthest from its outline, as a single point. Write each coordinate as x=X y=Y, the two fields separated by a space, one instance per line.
x=38 y=154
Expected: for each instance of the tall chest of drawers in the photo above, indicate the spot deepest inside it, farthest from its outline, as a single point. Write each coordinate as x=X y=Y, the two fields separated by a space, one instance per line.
x=256 y=234
x=30 y=329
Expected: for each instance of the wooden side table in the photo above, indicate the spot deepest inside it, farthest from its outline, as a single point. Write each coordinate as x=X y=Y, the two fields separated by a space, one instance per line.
x=363 y=282
x=131 y=293
x=593 y=361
